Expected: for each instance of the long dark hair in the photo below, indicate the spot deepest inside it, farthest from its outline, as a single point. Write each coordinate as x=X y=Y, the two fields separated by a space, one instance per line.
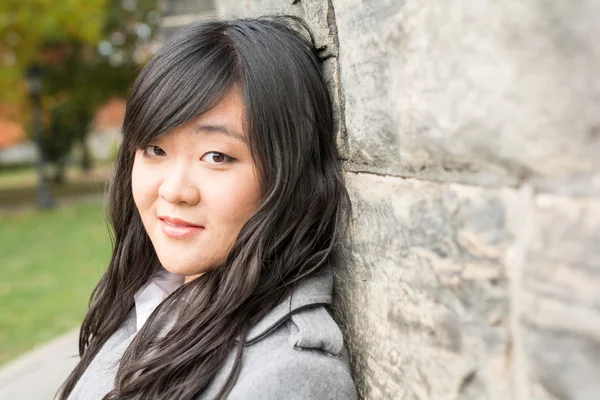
x=295 y=232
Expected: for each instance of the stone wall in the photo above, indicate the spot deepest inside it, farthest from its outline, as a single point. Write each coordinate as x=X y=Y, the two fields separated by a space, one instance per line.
x=471 y=134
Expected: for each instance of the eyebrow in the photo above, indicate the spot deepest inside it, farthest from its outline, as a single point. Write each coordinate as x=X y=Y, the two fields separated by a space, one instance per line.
x=221 y=130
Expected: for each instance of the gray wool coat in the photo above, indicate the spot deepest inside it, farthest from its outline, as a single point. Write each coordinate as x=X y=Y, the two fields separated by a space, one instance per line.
x=295 y=352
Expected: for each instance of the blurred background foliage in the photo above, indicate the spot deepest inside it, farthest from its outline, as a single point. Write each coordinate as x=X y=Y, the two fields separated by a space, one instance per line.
x=27 y=26
x=88 y=50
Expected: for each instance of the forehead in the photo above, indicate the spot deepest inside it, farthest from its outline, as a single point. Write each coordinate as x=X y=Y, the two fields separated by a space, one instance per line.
x=229 y=110
x=224 y=119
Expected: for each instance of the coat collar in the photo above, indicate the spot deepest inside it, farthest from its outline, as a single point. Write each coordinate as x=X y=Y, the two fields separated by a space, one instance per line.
x=312 y=291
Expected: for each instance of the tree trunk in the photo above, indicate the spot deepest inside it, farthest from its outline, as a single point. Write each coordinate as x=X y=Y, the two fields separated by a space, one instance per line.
x=60 y=171
x=86 y=157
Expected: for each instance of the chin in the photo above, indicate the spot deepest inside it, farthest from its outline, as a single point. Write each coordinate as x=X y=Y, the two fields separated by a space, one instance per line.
x=182 y=270
x=178 y=267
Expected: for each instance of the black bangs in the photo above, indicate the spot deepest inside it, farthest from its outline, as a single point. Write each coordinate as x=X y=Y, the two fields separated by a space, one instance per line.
x=188 y=76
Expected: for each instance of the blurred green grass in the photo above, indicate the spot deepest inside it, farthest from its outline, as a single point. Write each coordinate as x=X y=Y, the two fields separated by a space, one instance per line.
x=49 y=264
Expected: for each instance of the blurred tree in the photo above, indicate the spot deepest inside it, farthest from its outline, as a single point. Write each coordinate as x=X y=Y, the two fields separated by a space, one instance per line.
x=89 y=51
x=26 y=25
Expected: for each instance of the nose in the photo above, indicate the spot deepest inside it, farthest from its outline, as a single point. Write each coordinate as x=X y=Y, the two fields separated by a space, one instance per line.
x=178 y=187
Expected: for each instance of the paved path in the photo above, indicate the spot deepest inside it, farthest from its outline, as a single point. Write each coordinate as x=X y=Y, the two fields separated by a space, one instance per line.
x=37 y=375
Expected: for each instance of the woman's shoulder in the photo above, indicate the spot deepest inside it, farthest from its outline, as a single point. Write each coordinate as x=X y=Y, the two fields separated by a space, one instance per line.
x=302 y=357
x=295 y=352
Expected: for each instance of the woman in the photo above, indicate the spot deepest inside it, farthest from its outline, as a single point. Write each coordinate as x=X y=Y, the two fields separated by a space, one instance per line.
x=228 y=207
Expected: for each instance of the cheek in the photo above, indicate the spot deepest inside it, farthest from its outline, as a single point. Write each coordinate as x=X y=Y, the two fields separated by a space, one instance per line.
x=250 y=196
x=141 y=186
x=240 y=200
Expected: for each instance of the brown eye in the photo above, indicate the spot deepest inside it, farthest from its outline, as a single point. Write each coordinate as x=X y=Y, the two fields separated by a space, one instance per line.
x=214 y=157
x=154 y=151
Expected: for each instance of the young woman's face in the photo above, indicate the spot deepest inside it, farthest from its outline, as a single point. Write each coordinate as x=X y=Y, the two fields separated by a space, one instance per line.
x=195 y=187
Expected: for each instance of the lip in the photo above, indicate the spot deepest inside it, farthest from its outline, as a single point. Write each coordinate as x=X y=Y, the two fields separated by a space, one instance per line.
x=178 y=228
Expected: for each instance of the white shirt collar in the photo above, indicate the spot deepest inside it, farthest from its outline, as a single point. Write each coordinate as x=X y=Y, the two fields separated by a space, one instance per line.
x=162 y=284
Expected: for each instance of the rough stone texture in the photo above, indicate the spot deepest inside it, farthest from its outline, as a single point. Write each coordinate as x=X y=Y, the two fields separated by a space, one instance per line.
x=471 y=135
x=425 y=305
x=561 y=282
x=486 y=92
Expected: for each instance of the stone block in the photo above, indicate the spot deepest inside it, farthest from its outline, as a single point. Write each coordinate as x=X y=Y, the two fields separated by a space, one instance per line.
x=424 y=298
x=561 y=300
x=484 y=92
